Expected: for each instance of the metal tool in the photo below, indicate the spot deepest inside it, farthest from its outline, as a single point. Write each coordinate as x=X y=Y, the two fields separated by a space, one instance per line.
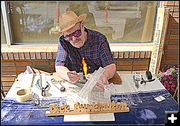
x=41 y=85
x=148 y=76
x=43 y=93
x=144 y=81
x=62 y=89
x=82 y=79
x=136 y=78
x=35 y=99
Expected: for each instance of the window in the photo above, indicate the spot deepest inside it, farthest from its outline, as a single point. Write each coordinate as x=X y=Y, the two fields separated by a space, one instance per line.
x=120 y=21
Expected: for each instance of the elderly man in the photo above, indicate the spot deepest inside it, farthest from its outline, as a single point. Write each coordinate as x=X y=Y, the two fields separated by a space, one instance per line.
x=78 y=42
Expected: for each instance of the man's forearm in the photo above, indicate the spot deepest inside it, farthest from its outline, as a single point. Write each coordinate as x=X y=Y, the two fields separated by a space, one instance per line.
x=110 y=71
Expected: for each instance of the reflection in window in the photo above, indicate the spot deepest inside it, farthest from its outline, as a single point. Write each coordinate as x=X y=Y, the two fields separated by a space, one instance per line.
x=120 y=21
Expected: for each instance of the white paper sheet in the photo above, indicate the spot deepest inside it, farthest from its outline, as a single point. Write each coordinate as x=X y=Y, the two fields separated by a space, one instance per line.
x=90 y=117
x=128 y=86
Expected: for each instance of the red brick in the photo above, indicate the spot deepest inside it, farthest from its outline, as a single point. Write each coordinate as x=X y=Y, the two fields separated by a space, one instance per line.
x=171 y=52
x=21 y=69
x=9 y=68
x=140 y=67
x=6 y=89
x=120 y=55
x=38 y=55
x=11 y=56
x=21 y=55
x=19 y=72
x=172 y=42
x=7 y=64
x=142 y=54
x=39 y=60
x=139 y=71
x=16 y=55
x=131 y=55
x=176 y=2
x=173 y=20
x=41 y=63
x=167 y=36
x=126 y=54
x=52 y=62
x=54 y=55
x=49 y=55
x=27 y=55
x=124 y=62
x=173 y=36
x=46 y=69
x=32 y=55
x=8 y=73
x=148 y=54
x=43 y=55
x=175 y=25
x=176 y=8
x=171 y=47
x=173 y=31
x=169 y=62
x=8 y=78
x=115 y=55
x=23 y=63
x=173 y=9
x=137 y=53
x=121 y=68
x=141 y=62
x=169 y=3
x=172 y=57
x=5 y=56
x=124 y=72
x=176 y=14
x=9 y=84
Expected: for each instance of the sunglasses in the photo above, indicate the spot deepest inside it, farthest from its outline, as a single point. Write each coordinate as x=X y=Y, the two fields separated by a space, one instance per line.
x=77 y=33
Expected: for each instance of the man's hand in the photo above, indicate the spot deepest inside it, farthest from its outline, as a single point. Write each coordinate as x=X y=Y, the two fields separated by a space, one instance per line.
x=73 y=76
x=108 y=74
x=104 y=81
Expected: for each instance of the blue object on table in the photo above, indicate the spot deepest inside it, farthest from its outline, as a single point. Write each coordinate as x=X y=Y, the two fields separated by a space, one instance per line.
x=148 y=111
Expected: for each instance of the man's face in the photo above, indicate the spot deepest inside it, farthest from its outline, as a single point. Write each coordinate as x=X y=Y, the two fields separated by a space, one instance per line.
x=75 y=35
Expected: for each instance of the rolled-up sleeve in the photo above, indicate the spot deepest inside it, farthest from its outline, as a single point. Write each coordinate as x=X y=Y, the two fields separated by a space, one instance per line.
x=61 y=56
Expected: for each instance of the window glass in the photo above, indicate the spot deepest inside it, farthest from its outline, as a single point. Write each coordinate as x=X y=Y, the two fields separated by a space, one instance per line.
x=3 y=38
x=120 y=21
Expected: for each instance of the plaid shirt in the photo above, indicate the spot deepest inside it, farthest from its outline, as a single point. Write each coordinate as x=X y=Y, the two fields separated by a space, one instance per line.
x=95 y=51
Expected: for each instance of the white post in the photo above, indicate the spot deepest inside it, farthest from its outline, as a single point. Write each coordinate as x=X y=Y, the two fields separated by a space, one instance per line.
x=6 y=21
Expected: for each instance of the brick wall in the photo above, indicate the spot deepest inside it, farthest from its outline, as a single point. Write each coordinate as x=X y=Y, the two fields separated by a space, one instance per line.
x=14 y=63
x=171 y=47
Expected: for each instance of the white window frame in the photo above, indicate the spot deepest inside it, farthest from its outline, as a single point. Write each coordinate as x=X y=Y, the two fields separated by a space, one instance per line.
x=113 y=46
x=7 y=27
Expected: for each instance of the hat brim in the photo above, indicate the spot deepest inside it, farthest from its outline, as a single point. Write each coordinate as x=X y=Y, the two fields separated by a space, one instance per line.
x=81 y=17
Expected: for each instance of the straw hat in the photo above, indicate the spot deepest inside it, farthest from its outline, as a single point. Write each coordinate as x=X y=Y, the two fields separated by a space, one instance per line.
x=68 y=19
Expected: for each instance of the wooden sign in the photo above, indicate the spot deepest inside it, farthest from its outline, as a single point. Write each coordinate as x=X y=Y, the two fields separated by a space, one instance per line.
x=64 y=109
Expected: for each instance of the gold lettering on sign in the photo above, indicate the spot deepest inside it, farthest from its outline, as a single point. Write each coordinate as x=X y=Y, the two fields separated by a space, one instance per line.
x=113 y=105
x=53 y=108
x=64 y=109
x=77 y=107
